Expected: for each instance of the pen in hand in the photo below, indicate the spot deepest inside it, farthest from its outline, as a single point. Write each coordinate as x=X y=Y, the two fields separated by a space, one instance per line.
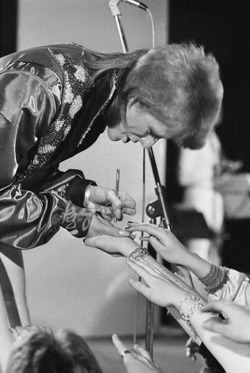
x=117 y=181
x=117 y=185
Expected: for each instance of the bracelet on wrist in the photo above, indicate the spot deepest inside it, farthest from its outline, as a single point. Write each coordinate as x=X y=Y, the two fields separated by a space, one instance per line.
x=139 y=252
x=187 y=315
x=215 y=279
x=86 y=196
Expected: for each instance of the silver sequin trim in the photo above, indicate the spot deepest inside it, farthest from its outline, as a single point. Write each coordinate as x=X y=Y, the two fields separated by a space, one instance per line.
x=80 y=73
x=75 y=106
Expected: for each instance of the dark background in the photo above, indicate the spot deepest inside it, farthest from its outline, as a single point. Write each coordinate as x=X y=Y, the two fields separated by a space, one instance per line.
x=8 y=26
x=222 y=27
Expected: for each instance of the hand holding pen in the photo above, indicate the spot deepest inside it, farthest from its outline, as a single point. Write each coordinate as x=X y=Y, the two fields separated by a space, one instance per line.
x=110 y=202
x=117 y=185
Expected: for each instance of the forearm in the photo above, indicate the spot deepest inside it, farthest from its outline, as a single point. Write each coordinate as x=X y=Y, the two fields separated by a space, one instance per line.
x=129 y=247
x=208 y=278
x=183 y=305
x=235 y=289
x=31 y=219
x=5 y=334
x=70 y=185
x=199 y=266
x=13 y=286
x=232 y=356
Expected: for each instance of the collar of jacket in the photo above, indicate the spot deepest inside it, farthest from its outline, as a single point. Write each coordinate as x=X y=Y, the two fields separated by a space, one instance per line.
x=78 y=86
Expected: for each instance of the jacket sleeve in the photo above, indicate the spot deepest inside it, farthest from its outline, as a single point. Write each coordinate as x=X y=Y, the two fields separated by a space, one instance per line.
x=27 y=106
x=235 y=289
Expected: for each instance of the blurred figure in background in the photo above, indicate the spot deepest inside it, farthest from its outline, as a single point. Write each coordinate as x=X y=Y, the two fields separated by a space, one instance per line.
x=197 y=172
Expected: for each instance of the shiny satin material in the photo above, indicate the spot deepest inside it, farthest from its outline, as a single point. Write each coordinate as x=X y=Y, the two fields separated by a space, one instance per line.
x=32 y=98
x=234 y=289
x=27 y=106
x=27 y=220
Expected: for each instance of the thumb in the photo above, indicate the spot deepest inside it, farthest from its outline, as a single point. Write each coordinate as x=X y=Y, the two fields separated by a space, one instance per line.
x=90 y=241
x=116 y=206
x=214 y=324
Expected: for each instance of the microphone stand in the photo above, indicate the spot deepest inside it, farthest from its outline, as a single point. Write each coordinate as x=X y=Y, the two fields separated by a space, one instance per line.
x=154 y=210
x=113 y=4
x=159 y=189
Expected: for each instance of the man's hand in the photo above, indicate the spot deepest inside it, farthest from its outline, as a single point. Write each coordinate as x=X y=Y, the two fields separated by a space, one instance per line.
x=108 y=204
x=106 y=237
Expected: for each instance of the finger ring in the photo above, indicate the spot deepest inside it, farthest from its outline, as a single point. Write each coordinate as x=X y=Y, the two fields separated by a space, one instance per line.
x=124 y=353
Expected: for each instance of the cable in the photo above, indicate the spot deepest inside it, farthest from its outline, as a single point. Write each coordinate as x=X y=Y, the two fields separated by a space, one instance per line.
x=152 y=27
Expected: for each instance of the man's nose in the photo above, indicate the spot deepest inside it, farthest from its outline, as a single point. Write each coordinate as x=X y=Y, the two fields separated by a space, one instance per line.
x=125 y=139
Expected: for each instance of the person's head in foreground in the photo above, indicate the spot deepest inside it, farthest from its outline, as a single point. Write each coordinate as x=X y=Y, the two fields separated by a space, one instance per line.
x=171 y=92
x=42 y=352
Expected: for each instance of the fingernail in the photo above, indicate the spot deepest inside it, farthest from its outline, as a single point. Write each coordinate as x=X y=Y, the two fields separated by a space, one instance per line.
x=143 y=238
x=123 y=233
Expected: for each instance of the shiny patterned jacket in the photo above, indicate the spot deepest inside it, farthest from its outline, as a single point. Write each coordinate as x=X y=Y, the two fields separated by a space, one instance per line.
x=50 y=110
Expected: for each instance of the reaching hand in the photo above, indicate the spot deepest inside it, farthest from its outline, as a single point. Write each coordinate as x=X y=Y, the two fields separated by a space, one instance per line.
x=162 y=286
x=116 y=246
x=172 y=250
x=110 y=205
x=105 y=236
x=136 y=360
x=235 y=325
x=100 y=226
x=163 y=241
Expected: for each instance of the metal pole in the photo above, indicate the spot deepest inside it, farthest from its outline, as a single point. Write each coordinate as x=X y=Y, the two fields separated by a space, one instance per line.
x=113 y=4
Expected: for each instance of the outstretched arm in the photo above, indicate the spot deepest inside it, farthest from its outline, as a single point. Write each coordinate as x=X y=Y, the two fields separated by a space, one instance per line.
x=6 y=338
x=137 y=359
x=219 y=282
x=12 y=278
x=162 y=288
x=106 y=237
x=171 y=249
x=234 y=326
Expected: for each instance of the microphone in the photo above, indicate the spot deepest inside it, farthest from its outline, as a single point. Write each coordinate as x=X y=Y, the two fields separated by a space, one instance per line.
x=136 y=3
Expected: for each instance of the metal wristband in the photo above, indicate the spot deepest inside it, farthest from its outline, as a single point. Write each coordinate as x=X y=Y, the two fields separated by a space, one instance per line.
x=215 y=279
x=192 y=309
x=139 y=252
x=198 y=304
x=86 y=196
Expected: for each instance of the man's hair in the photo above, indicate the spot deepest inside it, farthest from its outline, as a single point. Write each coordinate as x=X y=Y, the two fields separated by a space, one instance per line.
x=180 y=86
x=41 y=352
